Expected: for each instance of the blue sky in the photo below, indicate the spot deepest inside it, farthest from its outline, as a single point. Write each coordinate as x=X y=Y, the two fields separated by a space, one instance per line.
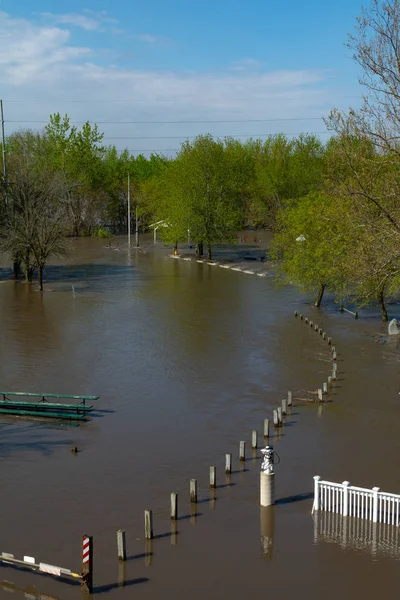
x=177 y=61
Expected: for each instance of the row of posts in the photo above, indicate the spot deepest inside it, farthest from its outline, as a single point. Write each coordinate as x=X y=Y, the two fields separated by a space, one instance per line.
x=333 y=377
x=267 y=479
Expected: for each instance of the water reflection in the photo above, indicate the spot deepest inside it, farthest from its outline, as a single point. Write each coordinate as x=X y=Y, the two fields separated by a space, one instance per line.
x=267 y=530
x=30 y=592
x=357 y=534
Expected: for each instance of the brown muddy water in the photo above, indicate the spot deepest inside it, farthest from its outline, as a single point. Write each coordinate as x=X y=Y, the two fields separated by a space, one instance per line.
x=187 y=360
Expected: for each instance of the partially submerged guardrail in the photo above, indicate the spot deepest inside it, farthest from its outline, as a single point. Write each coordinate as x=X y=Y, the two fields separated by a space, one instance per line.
x=85 y=577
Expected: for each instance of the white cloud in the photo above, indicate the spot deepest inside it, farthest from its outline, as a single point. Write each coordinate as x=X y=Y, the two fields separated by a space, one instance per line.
x=75 y=20
x=147 y=37
x=27 y=51
x=246 y=64
x=40 y=64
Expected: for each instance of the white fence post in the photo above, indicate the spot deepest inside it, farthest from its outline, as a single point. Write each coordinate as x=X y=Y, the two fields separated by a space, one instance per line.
x=375 y=505
x=316 y=492
x=345 y=498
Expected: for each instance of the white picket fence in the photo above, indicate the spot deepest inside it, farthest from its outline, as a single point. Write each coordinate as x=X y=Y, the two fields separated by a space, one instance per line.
x=350 y=501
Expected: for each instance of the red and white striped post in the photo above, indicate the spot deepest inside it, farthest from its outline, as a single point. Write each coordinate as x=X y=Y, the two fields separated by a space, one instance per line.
x=87 y=563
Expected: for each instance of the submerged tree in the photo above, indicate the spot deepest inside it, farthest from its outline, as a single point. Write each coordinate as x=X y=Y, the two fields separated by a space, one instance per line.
x=36 y=218
x=204 y=192
x=309 y=245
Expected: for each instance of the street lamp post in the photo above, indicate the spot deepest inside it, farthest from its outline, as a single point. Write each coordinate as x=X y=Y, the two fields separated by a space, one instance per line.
x=129 y=210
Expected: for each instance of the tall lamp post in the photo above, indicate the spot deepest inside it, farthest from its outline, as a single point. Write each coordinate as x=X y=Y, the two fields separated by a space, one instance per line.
x=129 y=210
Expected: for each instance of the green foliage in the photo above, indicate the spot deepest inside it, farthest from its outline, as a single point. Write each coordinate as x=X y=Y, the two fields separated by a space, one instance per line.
x=100 y=232
x=204 y=190
x=309 y=245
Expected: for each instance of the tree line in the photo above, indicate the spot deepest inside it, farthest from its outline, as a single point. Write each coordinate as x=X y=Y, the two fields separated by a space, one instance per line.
x=335 y=207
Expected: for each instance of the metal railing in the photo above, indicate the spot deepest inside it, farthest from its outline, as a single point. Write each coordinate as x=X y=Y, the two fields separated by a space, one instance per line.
x=352 y=501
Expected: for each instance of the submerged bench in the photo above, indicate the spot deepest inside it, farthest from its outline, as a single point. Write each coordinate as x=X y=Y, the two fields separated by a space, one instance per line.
x=11 y=404
x=43 y=414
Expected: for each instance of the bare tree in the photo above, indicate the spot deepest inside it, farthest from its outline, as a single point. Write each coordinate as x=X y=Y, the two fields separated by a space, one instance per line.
x=373 y=177
x=36 y=219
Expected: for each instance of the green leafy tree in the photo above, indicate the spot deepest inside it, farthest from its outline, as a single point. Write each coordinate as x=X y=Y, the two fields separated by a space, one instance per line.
x=309 y=245
x=204 y=192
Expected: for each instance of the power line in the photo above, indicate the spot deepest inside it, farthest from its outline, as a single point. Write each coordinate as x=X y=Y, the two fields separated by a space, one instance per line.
x=193 y=137
x=176 y=122
x=133 y=101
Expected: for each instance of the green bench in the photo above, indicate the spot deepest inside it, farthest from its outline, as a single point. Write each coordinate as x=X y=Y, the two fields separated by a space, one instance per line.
x=11 y=404
x=46 y=414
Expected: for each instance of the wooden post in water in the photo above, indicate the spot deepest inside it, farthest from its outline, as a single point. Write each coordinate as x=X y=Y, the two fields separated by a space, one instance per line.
x=324 y=388
x=242 y=451
x=254 y=439
x=289 y=398
x=329 y=341
x=148 y=524
x=87 y=564
x=295 y=313
x=330 y=381
x=320 y=395
x=279 y=411
x=228 y=463
x=121 y=544
x=275 y=416
x=266 y=428
x=334 y=375
x=334 y=356
x=306 y=320
x=320 y=331
x=193 y=491
x=174 y=506
x=324 y=336
x=284 y=407
x=213 y=477
x=334 y=367
x=311 y=323
x=316 y=327
x=301 y=317
x=333 y=349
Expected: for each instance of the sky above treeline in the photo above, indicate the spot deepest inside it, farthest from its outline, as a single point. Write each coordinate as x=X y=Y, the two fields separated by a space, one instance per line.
x=153 y=74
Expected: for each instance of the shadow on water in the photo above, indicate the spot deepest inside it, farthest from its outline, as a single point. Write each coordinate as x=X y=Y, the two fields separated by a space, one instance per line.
x=296 y=498
x=34 y=441
x=101 y=589
x=187 y=517
x=139 y=556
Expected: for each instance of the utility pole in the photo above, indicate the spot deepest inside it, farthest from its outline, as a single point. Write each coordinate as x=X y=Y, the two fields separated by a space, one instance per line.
x=3 y=141
x=136 y=225
x=129 y=210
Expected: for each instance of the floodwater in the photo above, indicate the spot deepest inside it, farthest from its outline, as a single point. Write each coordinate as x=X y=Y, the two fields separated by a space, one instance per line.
x=188 y=359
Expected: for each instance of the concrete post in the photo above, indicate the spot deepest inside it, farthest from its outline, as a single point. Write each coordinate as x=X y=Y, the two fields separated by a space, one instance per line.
x=267 y=489
x=121 y=544
x=228 y=463
x=174 y=506
x=213 y=477
x=254 y=439
x=242 y=451
x=148 y=524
